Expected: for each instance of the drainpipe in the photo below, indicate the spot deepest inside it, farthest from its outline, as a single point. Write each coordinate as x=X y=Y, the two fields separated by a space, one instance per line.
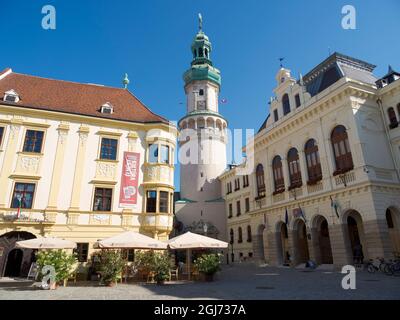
x=396 y=166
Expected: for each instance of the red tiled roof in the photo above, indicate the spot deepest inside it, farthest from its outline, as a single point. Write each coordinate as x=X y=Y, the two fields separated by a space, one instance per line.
x=77 y=98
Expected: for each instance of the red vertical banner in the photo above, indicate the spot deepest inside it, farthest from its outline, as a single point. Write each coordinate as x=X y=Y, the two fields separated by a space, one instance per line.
x=129 y=178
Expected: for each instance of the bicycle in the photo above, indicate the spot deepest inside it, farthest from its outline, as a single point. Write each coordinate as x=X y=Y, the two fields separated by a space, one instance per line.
x=378 y=264
x=393 y=268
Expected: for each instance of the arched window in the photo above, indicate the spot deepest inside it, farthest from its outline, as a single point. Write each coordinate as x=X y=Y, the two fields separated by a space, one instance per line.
x=248 y=233
x=194 y=53
x=231 y=235
x=200 y=52
x=279 y=181
x=260 y=181
x=206 y=52
x=341 y=150
x=285 y=104
x=389 y=219
x=313 y=163
x=201 y=92
x=294 y=168
x=392 y=118
x=240 y=235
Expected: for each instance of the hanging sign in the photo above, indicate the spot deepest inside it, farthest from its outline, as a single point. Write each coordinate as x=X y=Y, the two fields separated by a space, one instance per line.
x=129 y=178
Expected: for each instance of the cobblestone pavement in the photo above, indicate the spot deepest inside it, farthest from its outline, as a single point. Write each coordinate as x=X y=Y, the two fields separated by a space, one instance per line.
x=238 y=282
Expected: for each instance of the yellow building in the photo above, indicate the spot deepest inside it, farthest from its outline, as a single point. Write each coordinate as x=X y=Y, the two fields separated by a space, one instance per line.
x=81 y=162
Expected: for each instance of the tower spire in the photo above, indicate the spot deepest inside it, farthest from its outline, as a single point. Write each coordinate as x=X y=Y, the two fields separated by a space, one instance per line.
x=125 y=81
x=200 y=22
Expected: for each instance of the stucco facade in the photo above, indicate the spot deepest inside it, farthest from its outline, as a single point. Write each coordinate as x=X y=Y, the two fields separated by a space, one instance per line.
x=69 y=167
x=347 y=196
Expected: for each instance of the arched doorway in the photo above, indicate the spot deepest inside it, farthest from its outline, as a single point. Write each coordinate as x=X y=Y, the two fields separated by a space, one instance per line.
x=300 y=242
x=393 y=223
x=15 y=262
x=324 y=242
x=282 y=244
x=356 y=237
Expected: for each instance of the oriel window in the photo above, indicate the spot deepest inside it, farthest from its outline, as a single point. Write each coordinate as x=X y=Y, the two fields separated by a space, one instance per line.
x=164 y=201
x=153 y=153
x=102 y=199
x=33 y=141
x=108 y=150
x=164 y=154
x=151 y=201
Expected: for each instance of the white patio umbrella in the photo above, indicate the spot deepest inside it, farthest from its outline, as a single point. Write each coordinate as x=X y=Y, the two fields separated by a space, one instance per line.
x=191 y=241
x=46 y=243
x=132 y=240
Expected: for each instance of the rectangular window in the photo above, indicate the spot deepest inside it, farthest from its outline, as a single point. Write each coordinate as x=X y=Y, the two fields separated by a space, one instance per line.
x=128 y=254
x=81 y=251
x=247 y=204
x=245 y=181
x=33 y=141
x=151 y=201
x=108 y=150
x=230 y=211
x=297 y=100
x=153 y=153
x=164 y=201
x=1 y=135
x=238 y=212
x=164 y=154
x=23 y=195
x=276 y=118
x=102 y=199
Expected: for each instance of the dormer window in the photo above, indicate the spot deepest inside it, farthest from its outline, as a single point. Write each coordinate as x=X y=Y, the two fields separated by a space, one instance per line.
x=11 y=96
x=107 y=108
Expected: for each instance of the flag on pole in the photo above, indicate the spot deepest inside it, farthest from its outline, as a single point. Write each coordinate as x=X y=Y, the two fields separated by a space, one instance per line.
x=286 y=217
x=19 y=206
x=334 y=205
x=302 y=214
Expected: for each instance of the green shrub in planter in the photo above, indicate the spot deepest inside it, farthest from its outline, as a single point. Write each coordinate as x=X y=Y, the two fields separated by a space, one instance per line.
x=111 y=266
x=152 y=261
x=208 y=264
x=63 y=263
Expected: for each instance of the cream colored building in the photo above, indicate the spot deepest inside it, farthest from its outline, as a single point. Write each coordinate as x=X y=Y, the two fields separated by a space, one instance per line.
x=328 y=154
x=237 y=207
x=64 y=150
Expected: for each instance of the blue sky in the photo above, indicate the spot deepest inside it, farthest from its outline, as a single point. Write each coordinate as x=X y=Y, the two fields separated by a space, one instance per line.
x=98 y=41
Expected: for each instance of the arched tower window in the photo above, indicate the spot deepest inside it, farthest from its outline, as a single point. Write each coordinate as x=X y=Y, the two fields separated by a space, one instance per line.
x=260 y=180
x=200 y=52
x=389 y=219
x=201 y=92
x=294 y=168
x=392 y=118
x=279 y=181
x=194 y=53
x=285 y=104
x=206 y=52
x=313 y=163
x=341 y=150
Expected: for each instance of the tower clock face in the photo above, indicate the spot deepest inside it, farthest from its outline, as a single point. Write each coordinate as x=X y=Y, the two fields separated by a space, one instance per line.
x=201 y=105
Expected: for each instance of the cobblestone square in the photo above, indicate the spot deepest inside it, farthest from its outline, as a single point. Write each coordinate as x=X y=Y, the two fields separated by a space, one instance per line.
x=240 y=282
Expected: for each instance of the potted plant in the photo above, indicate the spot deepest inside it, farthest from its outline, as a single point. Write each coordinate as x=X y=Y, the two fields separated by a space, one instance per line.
x=161 y=267
x=155 y=262
x=62 y=262
x=208 y=265
x=111 y=266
